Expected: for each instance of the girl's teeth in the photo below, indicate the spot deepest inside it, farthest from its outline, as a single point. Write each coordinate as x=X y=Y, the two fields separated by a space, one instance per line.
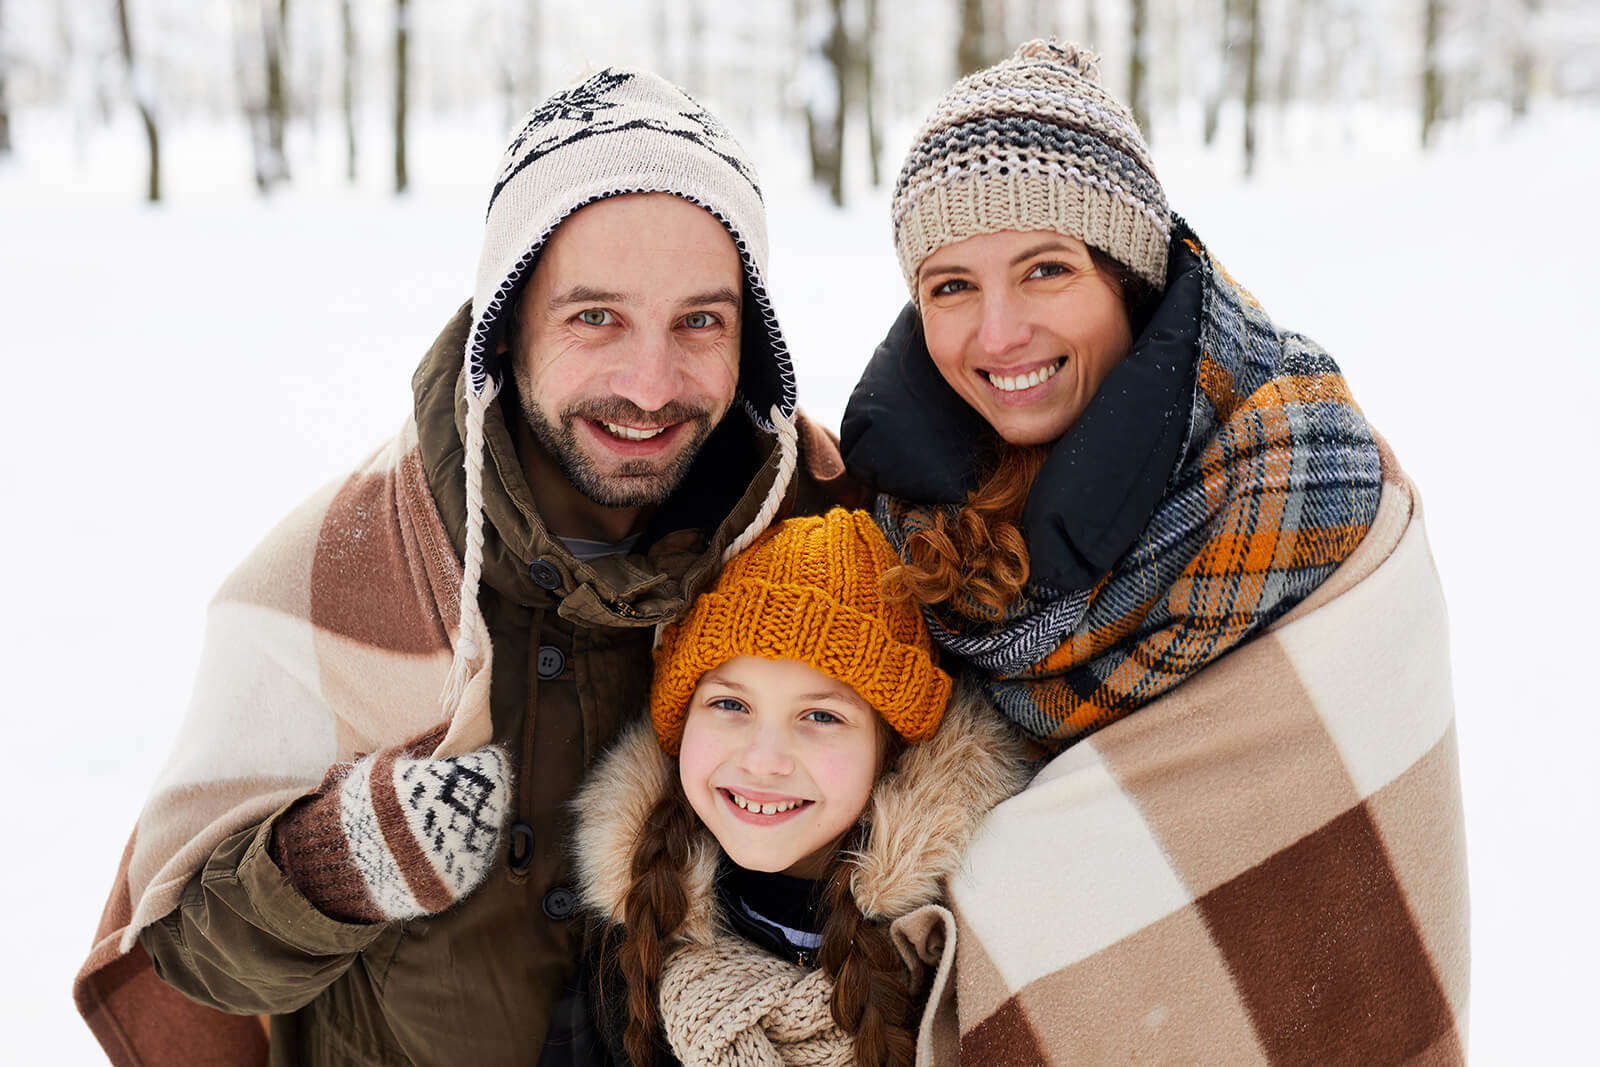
x=1010 y=384
x=769 y=808
x=628 y=433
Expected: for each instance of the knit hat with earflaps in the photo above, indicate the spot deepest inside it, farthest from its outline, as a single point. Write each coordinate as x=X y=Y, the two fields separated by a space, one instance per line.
x=1033 y=143
x=613 y=133
x=807 y=590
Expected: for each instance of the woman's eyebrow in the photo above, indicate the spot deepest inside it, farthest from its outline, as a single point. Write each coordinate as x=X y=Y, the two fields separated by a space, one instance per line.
x=1043 y=246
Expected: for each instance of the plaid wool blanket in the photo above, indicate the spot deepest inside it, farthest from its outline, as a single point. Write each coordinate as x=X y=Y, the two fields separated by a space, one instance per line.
x=1265 y=865
x=333 y=638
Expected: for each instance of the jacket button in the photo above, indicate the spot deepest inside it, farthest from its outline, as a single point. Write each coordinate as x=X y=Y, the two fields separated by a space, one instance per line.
x=520 y=856
x=552 y=661
x=544 y=574
x=560 y=903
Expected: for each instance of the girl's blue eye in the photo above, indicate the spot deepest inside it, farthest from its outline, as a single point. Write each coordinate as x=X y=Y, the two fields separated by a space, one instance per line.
x=595 y=317
x=818 y=715
x=726 y=703
x=699 y=320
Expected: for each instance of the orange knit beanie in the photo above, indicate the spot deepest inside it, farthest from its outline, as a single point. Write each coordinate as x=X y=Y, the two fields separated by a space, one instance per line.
x=807 y=590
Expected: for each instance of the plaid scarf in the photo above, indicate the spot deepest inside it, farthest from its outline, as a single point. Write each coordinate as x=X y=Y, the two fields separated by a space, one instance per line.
x=1276 y=483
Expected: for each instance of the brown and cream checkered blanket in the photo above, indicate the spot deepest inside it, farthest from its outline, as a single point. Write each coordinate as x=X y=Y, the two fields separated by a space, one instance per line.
x=1264 y=865
x=333 y=638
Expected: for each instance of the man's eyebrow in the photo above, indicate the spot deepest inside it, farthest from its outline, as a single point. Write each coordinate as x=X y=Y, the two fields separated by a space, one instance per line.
x=724 y=295
x=583 y=294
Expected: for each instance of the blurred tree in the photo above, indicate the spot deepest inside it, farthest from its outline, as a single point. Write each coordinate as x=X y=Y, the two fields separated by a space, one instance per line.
x=828 y=97
x=402 y=73
x=274 y=24
x=1432 y=76
x=141 y=100
x=1252 y=82
x=1222 y=81
x=1138 y=81
x=347 y=86
x=5 y=110
x=1523 y=62
x=865 y=51
x=695 y=61
x=972 y=46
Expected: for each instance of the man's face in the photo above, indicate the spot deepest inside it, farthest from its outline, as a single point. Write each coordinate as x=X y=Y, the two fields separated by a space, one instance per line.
x=627 y=350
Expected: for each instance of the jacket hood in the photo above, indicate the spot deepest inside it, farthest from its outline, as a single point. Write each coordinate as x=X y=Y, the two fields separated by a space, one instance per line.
x=920 y=817
x=719 y=499
x=907 y=433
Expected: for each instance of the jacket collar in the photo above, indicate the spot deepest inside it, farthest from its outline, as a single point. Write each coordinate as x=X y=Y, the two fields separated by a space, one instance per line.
x=908 y=434
x=682 y=546
x=920 y=817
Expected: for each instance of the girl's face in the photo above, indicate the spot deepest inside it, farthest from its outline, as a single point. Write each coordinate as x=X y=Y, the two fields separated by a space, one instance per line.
x=1024 y=327
x=778 y=760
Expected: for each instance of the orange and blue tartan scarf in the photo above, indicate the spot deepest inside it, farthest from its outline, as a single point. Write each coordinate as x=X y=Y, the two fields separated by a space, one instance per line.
x=1276 y=483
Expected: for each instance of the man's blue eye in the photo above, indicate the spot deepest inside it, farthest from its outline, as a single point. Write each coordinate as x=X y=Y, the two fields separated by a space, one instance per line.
x=698 y=320
x=595 y=317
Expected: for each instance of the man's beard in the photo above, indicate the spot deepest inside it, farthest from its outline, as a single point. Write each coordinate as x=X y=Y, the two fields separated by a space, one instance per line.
x=635 y=483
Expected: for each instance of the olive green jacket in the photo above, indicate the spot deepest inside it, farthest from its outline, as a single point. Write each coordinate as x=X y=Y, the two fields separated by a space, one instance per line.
x=479 y=983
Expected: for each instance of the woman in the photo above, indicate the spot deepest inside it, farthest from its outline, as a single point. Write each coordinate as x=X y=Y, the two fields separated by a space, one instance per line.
x=1160 y=532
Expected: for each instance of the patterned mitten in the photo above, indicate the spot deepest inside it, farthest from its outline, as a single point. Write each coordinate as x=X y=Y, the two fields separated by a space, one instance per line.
x=392 y=836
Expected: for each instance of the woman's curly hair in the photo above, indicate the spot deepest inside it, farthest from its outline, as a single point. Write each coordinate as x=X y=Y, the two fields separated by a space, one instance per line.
x=974 y=560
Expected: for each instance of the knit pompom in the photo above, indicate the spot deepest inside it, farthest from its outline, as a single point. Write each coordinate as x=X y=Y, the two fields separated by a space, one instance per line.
x=1079 y=60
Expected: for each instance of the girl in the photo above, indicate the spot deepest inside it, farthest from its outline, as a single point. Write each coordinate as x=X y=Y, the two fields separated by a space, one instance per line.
x=806 y=780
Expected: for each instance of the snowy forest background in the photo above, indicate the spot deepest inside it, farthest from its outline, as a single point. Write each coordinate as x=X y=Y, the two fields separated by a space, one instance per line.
x=1411 y=182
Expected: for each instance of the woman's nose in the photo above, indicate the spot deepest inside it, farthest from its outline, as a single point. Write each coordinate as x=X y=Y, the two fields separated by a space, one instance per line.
x=1003 y=327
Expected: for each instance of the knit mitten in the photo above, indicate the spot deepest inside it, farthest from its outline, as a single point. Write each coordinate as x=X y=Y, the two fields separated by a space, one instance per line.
x=393 y=836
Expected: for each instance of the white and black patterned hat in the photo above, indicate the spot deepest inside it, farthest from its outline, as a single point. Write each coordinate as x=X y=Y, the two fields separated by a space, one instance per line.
x=1033 y=143
x=626 y=131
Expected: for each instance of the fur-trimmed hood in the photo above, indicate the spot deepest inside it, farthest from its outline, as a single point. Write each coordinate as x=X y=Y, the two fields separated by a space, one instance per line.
x=919 y=819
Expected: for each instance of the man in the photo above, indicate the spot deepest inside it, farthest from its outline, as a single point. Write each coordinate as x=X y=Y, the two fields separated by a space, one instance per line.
x=381 y=869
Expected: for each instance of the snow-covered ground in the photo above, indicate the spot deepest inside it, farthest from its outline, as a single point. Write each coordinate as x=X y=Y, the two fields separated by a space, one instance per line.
x=180 y=376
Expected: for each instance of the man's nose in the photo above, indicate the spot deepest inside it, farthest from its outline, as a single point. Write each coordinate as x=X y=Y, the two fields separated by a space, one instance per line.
x=1003 y=327
x=650 y=372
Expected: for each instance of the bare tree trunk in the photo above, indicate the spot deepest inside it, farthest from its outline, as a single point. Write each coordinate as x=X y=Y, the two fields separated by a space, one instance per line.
x=347 y=86
x=1138 y=87
x=141 y=100
x=1432 y=77
x=273 y=26
x=825 y=127
x=1289 y=67
x=695 y=59
x=401 y=92
x=1219 y=92
x=5 y=109
x=972 y=49
x=869 y=90
x=1522 y=60
x=1252 y=84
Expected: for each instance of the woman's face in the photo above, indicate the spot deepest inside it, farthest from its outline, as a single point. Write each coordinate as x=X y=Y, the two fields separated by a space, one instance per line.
x=1024 y=327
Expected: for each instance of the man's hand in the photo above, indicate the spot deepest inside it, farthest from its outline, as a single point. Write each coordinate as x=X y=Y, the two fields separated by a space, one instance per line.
x=393 y=836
